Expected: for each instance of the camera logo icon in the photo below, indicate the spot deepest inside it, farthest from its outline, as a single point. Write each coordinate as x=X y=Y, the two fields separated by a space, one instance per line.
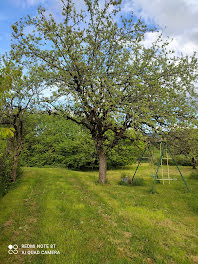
x=13 y=249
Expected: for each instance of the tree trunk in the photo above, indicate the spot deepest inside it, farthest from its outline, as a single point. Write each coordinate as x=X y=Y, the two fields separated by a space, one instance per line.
x=102 y=167
x=193 y=163
x=14 y=168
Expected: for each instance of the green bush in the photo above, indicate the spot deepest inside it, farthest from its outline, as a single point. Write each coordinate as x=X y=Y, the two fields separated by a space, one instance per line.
x=124 y=153
x=6 y=171
x=54 y=141
x=181 y=160
x=126 y=180
x=194 y=175
x=5 y=174
x=138 y=182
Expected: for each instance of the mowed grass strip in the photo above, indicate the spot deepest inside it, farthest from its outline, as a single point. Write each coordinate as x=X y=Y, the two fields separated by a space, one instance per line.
x=90 y=223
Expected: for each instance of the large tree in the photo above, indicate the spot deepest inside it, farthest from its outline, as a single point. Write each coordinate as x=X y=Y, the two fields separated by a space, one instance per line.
x=106 y=78
x=16 y=100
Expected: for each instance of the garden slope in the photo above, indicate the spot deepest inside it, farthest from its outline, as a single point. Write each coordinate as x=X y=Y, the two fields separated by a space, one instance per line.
x=90 y=223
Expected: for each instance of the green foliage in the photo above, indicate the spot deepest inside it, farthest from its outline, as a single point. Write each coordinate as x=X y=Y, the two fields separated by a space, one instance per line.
x=138 y=182
x=5 y=85
x=125 y=175
x=6 y=167
x=54 y=141
x=181 y=156
x=106 y=79
x=124 y=153
x=20 y=91
x=184 y=145
x=5 y=174
x=125 y=179
x=181 y=160
x=194 y=175
x=6 y=133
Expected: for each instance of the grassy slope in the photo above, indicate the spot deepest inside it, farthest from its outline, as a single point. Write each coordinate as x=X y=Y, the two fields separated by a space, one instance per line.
x=90 y=223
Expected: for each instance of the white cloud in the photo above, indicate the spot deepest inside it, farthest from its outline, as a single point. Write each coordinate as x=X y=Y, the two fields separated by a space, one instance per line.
x=149 y=38
x=177 y=15
x=177 y=18
x=187 y=47
x=177 y=44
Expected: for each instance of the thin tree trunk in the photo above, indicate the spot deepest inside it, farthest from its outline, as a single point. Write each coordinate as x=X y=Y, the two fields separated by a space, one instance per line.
x=14 y=168
x=16 y=153
x=193 y=163
x=102 y=167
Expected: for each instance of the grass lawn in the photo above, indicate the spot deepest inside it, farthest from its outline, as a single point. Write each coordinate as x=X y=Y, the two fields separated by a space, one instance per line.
x=90 y=223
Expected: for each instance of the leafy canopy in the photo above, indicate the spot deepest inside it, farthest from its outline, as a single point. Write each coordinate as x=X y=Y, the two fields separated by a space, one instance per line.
x=106 y=78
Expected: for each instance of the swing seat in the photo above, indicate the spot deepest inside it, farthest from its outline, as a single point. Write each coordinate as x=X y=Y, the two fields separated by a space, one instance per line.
x=171 y=179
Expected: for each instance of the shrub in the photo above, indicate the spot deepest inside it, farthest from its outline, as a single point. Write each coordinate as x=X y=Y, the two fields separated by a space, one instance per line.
x=194 y=175
x=126 y=180
x=138 y=182
x=5 y=174
x=181 y=160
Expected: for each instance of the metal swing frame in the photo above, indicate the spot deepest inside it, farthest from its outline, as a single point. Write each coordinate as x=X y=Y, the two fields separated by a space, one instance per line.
x=139 y=161
x=163 y=146
x=162 y=149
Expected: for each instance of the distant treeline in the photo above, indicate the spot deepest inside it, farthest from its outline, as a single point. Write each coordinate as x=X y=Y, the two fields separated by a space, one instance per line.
x=52 y=140
x=55 y=141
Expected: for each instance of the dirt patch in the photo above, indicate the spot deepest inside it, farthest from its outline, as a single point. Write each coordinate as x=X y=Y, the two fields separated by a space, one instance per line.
x=9 y=223
x=194 y=259
x=32 y=220
x=150 y=261
x=127 y=234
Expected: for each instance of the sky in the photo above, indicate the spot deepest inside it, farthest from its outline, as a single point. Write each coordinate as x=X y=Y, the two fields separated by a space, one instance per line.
x=177 y=19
